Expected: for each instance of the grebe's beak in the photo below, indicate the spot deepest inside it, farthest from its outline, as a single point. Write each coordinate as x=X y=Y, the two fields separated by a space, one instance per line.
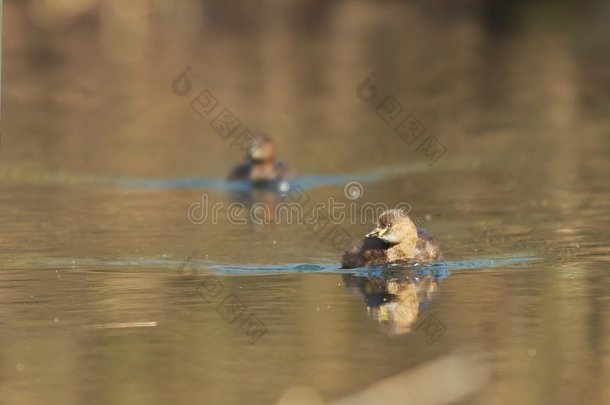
x=376 y=233
x=257 y=154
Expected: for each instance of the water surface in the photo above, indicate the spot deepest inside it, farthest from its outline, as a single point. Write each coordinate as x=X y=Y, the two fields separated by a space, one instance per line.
x=110 y=294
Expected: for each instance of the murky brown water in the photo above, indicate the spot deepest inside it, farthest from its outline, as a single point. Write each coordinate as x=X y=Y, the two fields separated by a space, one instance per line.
x=109 y=294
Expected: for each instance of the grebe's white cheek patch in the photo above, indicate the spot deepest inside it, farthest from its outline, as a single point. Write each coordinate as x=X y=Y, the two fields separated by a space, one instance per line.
x=390 y=238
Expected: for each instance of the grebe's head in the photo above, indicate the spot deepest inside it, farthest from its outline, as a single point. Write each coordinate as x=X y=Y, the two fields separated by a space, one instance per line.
x=394 y=226
x=261 y=150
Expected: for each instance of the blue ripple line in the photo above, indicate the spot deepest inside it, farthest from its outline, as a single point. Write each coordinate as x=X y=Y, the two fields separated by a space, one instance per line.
x=441 y=270
x=305 y=182
x=435 y=269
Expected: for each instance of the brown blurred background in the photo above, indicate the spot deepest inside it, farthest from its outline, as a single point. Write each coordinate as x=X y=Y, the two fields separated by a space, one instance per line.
x=87 y=83
x=517 y=91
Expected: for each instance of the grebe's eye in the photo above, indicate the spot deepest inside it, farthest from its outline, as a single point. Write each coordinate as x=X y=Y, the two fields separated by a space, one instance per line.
x=388 y=225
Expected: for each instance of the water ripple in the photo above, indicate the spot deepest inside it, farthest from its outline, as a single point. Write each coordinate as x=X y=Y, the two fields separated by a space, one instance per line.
x=439 y=270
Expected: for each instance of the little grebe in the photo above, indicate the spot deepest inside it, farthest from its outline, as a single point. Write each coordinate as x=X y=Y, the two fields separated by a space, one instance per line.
x=395 y=239
x=261 y=167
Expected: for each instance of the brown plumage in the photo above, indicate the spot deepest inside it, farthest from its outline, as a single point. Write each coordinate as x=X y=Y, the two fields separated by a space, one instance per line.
x=365 y=252
x=261 y=166
x=396 y=239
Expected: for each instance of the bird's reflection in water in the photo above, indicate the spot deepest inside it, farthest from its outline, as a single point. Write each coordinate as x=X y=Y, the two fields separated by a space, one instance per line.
x=395 y=297
x=260 y=181
x=260 y=201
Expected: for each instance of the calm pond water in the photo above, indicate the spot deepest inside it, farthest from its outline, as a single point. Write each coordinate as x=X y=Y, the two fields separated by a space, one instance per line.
x=110 y=293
